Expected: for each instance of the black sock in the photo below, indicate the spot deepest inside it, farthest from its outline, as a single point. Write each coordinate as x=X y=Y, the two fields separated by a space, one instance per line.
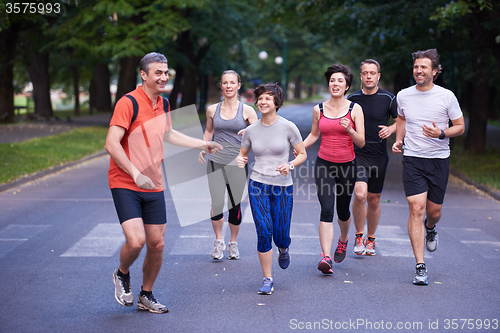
x=145 y=293
x=420 y=265
x=120 y=274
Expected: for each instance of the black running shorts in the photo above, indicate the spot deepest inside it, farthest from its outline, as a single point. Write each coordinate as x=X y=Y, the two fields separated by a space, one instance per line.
x=150 y=206
x=426 y=175
x=371 y=170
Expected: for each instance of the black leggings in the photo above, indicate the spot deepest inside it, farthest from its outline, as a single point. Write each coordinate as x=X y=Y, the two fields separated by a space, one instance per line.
x=232 y=178
x=334 y=180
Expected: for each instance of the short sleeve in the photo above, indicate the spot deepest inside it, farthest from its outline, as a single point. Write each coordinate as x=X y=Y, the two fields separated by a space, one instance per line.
x=398 y=106
x=122 y=115
x=454 y=111
x=393 y=108
x=246 y=139
x=294 y=136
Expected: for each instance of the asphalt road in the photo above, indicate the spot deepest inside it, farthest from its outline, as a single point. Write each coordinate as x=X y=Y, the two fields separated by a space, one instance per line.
x=60 y=241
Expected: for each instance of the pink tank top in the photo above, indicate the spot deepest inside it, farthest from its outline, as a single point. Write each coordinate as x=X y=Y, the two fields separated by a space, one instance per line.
x=336 y=144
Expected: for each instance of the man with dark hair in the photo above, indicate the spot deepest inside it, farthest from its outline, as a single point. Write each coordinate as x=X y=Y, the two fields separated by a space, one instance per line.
x=371 y=160
x=424 y=112
x=135 y=144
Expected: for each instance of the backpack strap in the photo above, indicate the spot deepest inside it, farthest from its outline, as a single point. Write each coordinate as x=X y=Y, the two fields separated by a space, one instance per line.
x=321 y=108
x=167 y=104
x=136 y=108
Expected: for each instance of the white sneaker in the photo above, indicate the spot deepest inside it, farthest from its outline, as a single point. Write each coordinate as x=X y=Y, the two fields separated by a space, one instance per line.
x=123 y=294
x=219 y=247
x=359 y=244
x=232 y=249
x=149 y=303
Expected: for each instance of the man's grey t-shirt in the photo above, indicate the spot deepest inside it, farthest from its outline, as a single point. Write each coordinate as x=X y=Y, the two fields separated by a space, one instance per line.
x=271 y=147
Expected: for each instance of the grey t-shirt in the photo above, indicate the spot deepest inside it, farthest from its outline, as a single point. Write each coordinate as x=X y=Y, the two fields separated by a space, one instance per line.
x=271 y=147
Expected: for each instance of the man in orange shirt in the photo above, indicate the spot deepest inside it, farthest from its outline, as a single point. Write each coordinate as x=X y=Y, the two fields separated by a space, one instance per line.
x=135 y=180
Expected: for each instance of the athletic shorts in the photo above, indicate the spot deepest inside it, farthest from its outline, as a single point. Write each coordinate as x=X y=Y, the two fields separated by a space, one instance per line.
x=150 y=206
x=426 y=175
x=371 y=170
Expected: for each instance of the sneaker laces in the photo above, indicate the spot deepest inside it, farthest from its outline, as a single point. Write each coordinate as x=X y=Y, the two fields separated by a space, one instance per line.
x=341 y=247
x=431 y=234
x=125 y=283
x=420 y=270
x=151 y=298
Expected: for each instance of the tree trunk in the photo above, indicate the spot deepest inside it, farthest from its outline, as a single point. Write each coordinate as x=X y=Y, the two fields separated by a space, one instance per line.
x=179 y=76
x=8 y=40
x=92 y=92
x=128 y=76
x=478 y=113
x=203 y=93
x=39 y=75
x=102 y=77
x=76 y=88
x=298 y=87
x=189 y=87
x=401 y=81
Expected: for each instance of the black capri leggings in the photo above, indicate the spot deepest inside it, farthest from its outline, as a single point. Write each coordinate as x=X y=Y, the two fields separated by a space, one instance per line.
x=334 y=180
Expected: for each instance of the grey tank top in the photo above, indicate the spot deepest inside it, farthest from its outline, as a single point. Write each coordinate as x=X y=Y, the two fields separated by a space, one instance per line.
x=226 y=133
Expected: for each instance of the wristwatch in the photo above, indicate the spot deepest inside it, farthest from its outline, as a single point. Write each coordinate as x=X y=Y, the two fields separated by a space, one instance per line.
x=291 y=166
x=442 y=135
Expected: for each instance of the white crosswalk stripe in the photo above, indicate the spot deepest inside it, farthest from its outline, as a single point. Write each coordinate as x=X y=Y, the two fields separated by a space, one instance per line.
x=477 y=241
x=102 y=241
x=15 y=235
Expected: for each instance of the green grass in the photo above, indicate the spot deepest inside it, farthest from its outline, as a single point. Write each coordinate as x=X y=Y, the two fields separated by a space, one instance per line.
x=483 y=169
x=30 y=156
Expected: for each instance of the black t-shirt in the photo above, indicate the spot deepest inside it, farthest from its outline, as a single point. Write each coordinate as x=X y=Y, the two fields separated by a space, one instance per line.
x=376 y=110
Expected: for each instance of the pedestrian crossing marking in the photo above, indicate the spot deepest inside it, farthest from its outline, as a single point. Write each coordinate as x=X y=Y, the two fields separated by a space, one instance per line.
x=190 y=243
x=102 y=241
x=15 y=235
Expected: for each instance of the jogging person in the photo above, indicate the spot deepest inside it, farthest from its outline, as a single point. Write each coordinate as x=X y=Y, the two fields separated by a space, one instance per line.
x=424 y=112
x=226 y=122
x=340 y=123
x=270 y=188
x=135 y=180
x=371 y=160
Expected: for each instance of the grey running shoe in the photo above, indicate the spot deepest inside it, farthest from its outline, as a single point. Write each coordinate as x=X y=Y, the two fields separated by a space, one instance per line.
x=431 y=239
x=341 y=250
x=232 y=249
x=219 y=247
x=370 y=247
x=421 y=277
x=123 y=294
x=267 y=287
x=149 y=303
x=359 y=245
